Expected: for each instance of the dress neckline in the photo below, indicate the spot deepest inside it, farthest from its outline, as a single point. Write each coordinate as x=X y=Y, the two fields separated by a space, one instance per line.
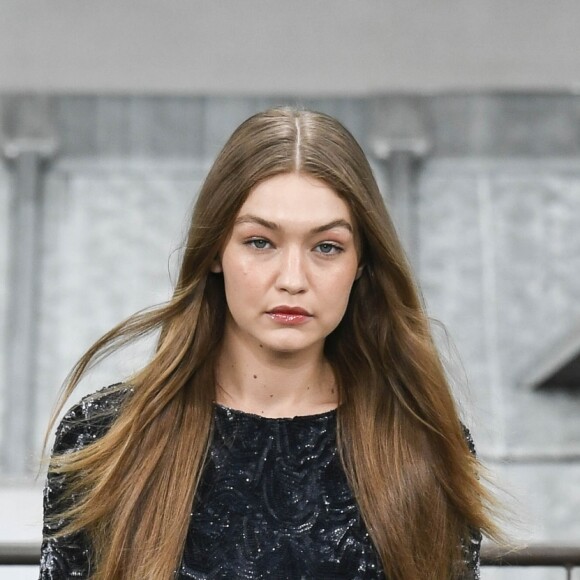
x=237 y=413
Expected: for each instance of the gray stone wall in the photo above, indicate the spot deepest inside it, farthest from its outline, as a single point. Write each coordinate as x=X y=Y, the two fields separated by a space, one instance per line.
x=498 y=265
x=4 y=260
x=491 y=200
x=110 y=248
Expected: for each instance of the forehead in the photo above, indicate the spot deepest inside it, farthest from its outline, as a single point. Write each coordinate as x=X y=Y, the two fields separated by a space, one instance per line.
x=297 y=197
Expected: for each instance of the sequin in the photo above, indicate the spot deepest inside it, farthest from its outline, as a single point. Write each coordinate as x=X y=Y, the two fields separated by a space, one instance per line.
x=273 y=502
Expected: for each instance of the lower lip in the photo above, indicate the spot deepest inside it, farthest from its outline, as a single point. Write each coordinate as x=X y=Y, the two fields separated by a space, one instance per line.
x=289 y=319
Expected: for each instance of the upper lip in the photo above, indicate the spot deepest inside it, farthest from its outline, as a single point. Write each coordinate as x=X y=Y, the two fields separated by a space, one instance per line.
x=289 y=310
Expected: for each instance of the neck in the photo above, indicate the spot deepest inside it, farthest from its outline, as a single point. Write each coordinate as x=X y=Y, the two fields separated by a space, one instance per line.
x=254 y=379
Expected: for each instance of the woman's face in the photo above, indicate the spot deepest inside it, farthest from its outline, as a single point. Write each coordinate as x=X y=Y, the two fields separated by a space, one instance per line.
x=289 y=264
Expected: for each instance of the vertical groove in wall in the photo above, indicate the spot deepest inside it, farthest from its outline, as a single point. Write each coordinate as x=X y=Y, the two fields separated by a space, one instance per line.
x=488 y=280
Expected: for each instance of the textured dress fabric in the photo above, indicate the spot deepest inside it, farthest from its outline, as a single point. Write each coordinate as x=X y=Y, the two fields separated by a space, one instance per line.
x=273 y=502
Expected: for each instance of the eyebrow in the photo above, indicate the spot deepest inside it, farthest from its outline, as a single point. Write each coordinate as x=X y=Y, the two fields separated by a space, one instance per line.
x=253 y=219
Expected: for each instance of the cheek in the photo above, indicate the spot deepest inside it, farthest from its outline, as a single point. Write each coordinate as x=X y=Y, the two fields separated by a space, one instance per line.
x=337 y=290
x=242 y=284
x=234 y=268
x=342 y=300
x=244 y=276
x=344 y=277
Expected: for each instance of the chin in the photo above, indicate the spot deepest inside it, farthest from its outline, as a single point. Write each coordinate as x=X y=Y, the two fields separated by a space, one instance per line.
x=287 y=346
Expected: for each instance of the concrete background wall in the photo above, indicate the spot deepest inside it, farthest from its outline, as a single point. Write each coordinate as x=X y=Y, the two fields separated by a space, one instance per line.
x=495 y=213
x=325 y=47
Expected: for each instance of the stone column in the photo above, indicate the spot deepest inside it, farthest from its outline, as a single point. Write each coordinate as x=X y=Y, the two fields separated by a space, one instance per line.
x=399 y=141
x=28 y=143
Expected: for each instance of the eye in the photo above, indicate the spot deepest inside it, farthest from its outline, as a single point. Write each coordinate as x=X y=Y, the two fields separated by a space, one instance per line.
x=258 y=243
x=327 y=248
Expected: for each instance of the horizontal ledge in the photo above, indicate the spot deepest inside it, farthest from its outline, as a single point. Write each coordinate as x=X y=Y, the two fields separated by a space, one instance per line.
x=533 y=555
x=532 y=457
x=19 y=554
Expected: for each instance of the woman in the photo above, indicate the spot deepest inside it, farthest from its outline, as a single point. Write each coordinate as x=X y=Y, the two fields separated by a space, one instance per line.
x=295 y=420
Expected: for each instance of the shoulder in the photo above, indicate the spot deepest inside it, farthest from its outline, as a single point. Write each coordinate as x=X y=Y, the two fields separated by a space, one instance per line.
x=468 y=438
x=65 y=556
x=471 y=545
x=90 y=418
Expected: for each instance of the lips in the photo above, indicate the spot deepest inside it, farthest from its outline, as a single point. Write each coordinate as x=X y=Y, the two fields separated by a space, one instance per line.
x=289 y=315
x=289 y=310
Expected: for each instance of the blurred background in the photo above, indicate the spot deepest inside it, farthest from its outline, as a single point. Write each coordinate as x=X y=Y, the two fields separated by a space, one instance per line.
x=111 y=113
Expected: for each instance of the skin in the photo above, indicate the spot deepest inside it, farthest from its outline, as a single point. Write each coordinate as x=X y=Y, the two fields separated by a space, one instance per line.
x=293 y=245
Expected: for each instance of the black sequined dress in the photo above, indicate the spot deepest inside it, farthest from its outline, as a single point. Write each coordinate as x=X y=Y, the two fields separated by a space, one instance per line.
x=273 y=503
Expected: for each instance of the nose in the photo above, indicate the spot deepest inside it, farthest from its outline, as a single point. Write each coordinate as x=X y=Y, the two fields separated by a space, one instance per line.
x=292 y=276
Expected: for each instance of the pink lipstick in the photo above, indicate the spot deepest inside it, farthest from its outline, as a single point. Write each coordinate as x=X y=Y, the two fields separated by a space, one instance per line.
x=289 y=315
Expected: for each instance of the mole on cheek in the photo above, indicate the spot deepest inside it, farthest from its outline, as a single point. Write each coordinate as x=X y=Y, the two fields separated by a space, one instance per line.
x=255 y=376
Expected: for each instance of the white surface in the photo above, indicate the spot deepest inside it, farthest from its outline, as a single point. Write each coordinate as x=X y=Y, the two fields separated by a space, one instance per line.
x=20 y=522
x=266 y=46
x=19 y=573
x=20 y=514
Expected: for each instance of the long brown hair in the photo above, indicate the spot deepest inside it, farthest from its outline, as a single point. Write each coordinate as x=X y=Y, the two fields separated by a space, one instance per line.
x=399 y=436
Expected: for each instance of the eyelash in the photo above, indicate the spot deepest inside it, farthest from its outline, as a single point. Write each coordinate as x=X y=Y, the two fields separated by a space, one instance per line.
x=335 y=248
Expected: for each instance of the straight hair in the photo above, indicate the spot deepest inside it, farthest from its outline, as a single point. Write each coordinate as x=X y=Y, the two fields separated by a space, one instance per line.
x=399 y=436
